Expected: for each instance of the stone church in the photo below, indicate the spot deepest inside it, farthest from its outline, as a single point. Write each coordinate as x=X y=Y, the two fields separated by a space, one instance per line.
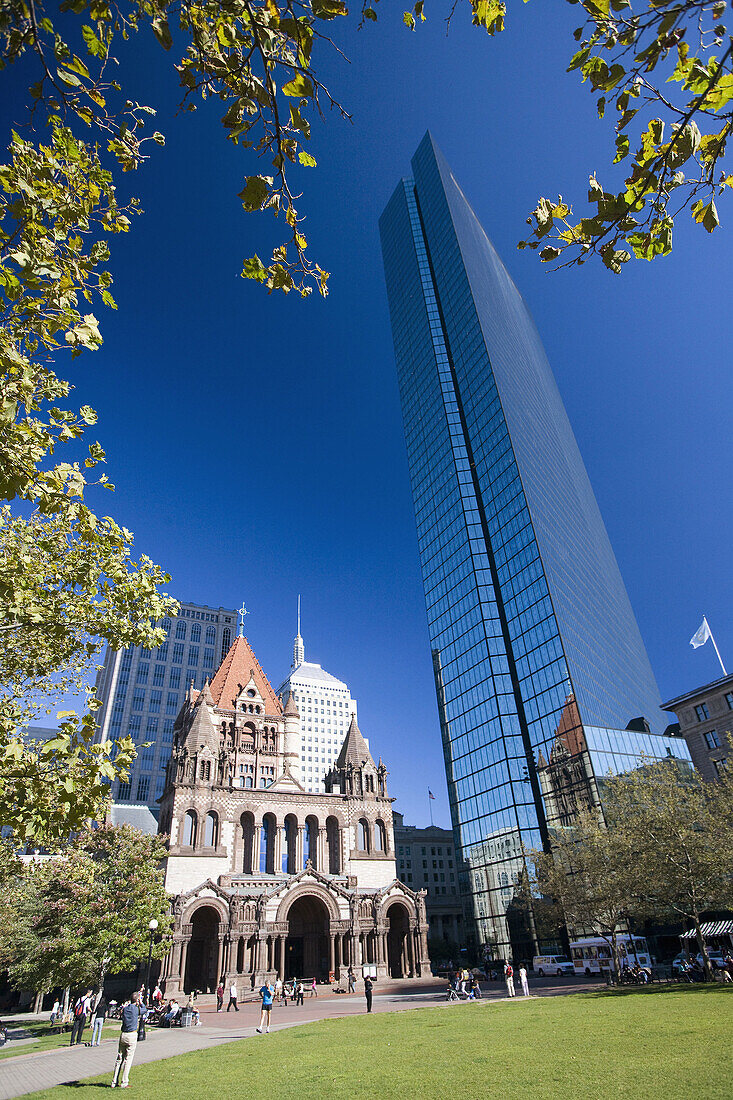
x=271 y=880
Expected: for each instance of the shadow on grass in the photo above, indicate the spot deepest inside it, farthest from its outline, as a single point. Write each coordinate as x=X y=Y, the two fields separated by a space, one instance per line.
x=85 y=1085
x=655 y=990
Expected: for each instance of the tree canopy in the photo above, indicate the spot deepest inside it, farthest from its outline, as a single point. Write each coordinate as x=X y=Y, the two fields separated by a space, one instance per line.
x=82 y=915
x=665 y=850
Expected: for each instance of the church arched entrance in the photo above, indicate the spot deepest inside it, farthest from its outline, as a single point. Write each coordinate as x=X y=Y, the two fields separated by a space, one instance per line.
x=398 y=932
x=307 y=945
x=203 y=951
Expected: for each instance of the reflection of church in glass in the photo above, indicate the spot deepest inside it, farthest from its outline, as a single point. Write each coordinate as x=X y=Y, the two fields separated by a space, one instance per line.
x=270 y=879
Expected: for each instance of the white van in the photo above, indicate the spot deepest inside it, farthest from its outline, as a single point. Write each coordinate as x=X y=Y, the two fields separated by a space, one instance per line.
x=552 y=964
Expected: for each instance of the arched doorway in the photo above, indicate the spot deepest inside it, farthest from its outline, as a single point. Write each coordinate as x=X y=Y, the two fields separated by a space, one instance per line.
x=307 y=946
x=203 y=951
x=397 y=947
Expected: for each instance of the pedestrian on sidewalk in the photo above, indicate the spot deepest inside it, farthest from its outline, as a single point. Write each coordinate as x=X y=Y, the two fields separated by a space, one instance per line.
x=300 y=991
x=132 y=1016
x=82 y=1008
x=220 y=996
x=352 y=981
x=509 y=978
x=99 y=1015
x=368 y=992
x=266 y=993
x=314 y=991
x=233 y=997
x=523 y=980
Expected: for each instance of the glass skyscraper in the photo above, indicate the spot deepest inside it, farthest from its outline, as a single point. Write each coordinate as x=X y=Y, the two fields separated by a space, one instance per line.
x=539 y=664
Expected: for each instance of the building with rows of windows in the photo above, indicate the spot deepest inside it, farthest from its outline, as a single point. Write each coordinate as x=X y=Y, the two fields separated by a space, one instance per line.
x=326 y=708
x=268 y=878
x=426 y=861
x=142 y=691
x=705 y=716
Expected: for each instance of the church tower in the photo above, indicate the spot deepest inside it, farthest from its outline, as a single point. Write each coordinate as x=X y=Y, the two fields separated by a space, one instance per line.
x=268 y=878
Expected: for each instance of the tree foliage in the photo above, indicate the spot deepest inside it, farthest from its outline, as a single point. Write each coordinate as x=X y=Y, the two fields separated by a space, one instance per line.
x=586 y=873
x=665 y=851
x=662 y=70
x=85 y=914
x=677 y=835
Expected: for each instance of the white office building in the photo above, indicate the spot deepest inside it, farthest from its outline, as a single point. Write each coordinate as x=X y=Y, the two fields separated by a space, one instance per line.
x=325 y=707
x=142 y=691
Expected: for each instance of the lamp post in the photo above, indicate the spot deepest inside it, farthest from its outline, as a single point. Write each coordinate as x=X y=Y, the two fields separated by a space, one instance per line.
x=153 y=924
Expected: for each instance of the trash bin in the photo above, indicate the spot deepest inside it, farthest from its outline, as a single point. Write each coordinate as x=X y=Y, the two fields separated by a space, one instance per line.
x=187 y=1018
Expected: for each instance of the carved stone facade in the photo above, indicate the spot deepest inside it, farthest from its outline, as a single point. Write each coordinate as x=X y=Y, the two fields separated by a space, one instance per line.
x=269 y=879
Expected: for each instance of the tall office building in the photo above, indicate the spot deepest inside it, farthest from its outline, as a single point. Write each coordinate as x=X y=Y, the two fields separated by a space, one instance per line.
x=142 y=691
x=542 y=678
x=325 y=706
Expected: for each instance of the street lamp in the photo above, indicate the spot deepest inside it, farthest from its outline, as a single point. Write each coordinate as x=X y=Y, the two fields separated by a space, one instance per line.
x=152 y=925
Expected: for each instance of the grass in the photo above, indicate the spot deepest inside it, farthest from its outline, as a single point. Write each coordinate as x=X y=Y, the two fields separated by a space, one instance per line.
x=47 y=1038
x=651 y=1045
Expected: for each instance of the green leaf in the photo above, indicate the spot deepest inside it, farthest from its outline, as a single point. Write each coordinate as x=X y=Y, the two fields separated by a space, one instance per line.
x=254 y=269
x=306 y=159
x=255 y=191
x=162 y=32
x=299 y=86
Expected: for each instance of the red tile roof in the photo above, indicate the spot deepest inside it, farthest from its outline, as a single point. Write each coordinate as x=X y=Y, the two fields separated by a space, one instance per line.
x=235 y=672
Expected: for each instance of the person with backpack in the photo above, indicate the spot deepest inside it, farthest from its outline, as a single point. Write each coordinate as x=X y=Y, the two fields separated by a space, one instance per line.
x=82 y=1008
x=133 y=1014
x=509 y=978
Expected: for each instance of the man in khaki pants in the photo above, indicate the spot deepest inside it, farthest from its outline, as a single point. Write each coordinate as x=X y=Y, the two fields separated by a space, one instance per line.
x=132 y=1014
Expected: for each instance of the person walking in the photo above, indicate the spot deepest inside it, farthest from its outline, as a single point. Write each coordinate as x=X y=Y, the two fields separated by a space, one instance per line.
x=220 y=996
x=233 y=997
x=314 y=991
x=523 y=980
x=82 y=1008
x=352 y=981
x=132 y=1016
x=299 y=994
x=368 y=992
x=509 y=978
x=266 y=995
x=99 y=1015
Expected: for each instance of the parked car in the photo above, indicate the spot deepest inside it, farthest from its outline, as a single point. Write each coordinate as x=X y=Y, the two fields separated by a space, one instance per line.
x=552 y=964
x=717 y=961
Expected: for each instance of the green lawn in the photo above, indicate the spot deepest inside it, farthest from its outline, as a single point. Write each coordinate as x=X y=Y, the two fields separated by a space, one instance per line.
x=660 y=1044
x=47 y=1038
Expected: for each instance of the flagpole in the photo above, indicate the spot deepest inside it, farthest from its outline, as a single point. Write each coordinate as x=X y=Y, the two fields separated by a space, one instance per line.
x=717 y=651
x=430 y=806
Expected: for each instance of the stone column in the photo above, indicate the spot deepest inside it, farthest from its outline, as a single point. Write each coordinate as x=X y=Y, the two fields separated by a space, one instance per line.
x=411 y=953
x=278 y=849
x=299 y=860
x=182 y=967
x=321 y=850
x=281 y=970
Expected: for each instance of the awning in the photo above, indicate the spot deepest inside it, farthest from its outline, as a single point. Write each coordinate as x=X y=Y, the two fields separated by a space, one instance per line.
x=712 y=928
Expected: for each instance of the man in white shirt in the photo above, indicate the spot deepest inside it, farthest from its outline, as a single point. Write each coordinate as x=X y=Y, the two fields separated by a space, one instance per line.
x=233 y=996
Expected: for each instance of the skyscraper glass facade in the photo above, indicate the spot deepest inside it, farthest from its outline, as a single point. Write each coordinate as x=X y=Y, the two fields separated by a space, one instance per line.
x=532 y=633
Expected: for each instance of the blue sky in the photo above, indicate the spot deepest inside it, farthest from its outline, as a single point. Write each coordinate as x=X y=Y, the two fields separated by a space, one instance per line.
x=256 y=442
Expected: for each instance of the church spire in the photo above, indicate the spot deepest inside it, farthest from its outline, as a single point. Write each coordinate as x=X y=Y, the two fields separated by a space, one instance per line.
x=298 y=647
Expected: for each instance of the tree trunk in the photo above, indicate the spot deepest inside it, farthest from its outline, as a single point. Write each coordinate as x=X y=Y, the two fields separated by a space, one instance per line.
x=38 y=1002
x=702 y=948
x=67 y=995
x=616 y=960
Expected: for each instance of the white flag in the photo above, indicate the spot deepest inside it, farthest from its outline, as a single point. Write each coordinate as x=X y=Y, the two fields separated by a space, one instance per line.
x=701 y=635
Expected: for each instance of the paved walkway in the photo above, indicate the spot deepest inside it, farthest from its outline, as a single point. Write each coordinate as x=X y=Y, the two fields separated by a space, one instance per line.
x=31 y=1072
